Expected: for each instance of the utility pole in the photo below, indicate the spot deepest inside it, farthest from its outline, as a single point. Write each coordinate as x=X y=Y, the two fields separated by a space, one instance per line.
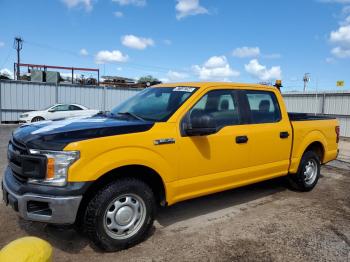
x=18 y=44
x=306 y=80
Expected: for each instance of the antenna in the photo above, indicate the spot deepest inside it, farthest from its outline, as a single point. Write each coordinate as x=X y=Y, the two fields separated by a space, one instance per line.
x=306 y=80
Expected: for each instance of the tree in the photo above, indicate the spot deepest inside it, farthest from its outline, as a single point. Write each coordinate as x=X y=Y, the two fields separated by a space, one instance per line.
x=5 y=76
x=148 y=79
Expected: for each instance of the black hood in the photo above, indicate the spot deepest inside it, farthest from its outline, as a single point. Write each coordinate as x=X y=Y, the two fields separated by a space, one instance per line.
x=55 y=135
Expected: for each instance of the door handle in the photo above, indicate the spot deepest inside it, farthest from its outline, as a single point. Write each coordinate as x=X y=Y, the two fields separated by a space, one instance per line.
x=284 y=134
x=241 y=139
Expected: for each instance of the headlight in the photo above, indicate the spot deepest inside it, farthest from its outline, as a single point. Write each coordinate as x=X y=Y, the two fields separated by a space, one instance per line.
x=58 y=163
x=23 y=115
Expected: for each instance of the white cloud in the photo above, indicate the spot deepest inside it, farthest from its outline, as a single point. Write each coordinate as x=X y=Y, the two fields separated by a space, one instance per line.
x=87 y=4
x=246 y=51
x=115 y=56
x=189 y=7
x=262 y=72
x=118 y=14
x=7 y=72
x=2 y=44
x=215 y=68
x=131 y=2
x=341 y=36
x=136 y=42
x=340 y=52
x=176 y=76
x=83 y=52
x=164 y=80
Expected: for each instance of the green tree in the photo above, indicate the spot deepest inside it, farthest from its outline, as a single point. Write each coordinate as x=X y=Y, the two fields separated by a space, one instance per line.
x=147 y=79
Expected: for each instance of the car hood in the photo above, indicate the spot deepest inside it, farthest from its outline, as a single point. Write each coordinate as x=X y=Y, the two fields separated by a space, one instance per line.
x=55 y=135
x=32 y=112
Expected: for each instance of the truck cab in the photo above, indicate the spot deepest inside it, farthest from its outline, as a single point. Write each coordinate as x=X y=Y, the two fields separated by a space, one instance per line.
x=167 y=144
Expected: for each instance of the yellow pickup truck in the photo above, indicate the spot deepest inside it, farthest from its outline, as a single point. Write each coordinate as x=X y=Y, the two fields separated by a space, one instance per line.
x=168 y=143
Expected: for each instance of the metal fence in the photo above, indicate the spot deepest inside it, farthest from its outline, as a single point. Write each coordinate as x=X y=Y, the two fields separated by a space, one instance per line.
x=17 y=97
x=336 y=104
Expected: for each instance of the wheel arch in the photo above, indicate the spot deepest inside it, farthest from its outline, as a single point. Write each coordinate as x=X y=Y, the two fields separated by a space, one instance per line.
x=141 y=172
x=318 y=148
x=38 y=116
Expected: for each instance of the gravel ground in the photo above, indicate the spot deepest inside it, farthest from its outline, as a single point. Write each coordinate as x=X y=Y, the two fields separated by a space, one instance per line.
x=262 y=222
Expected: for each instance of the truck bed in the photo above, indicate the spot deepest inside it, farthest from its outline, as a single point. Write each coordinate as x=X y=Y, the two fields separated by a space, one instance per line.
x=309 y=128
x=307 y=117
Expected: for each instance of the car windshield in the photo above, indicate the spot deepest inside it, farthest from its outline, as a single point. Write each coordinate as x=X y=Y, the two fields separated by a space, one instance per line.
x=154 y=104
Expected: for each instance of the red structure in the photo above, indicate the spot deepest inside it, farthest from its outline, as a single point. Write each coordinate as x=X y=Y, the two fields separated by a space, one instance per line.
x=45 y=67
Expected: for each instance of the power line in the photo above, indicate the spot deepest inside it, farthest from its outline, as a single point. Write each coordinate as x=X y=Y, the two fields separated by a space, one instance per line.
x=6 y=58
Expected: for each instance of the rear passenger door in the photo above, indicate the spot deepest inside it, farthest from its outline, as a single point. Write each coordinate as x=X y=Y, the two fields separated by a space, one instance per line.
x=270 y=135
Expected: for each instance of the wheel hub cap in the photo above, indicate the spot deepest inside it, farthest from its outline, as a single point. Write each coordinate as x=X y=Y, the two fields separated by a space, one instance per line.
x=310 y=172
x=124 y=216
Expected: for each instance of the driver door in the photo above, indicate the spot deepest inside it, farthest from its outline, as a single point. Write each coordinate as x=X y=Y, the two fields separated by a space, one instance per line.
x=59 y=111
x=214 y=162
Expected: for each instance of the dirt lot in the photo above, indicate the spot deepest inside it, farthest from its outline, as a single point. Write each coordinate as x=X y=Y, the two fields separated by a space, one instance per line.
x=263 y=222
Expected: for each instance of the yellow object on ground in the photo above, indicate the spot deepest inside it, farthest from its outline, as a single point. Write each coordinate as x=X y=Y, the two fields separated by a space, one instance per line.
x=27 y=249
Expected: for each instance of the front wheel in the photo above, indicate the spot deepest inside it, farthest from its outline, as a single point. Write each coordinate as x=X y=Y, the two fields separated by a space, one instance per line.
x=37 y=119
x=120 y=215
x=308 y=172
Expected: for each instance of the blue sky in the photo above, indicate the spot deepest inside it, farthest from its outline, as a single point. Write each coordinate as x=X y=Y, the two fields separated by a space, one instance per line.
x=182 y=40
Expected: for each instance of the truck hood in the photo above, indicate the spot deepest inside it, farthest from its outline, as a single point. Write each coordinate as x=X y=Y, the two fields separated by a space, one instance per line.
x=55 y=135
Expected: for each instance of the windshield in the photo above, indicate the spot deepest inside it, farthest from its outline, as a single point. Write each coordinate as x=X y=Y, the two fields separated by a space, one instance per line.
x=154 y=104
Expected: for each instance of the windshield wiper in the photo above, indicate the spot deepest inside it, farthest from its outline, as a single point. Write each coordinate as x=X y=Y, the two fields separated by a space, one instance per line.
x=131 y=114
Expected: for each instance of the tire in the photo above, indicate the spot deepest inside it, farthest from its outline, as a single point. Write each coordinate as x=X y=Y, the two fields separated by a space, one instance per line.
x=308 y=173
x=120 y=215
x=37 y=119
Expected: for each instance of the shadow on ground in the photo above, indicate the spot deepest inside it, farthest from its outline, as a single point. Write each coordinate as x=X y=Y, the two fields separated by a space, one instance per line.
x=67 y=239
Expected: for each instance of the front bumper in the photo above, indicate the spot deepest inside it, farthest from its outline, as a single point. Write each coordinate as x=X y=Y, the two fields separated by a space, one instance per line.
x=24 y=120
x=43 y=203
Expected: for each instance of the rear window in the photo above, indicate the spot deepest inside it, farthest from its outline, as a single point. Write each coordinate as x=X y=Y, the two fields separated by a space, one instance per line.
x=263 y=106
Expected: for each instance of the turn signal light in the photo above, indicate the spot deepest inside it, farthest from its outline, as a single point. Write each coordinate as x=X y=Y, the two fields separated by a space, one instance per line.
x=50 y=170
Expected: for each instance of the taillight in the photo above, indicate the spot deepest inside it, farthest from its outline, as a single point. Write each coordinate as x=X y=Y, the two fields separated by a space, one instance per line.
x=337 y=131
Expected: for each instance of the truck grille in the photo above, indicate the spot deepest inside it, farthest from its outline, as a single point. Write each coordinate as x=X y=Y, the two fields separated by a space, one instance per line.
x=14 y=154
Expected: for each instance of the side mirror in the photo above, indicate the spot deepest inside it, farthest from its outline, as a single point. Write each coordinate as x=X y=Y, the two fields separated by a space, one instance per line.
x=52 y=110
x=201 y=125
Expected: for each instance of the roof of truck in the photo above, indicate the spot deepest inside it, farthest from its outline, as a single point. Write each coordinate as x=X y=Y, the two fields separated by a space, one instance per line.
x=214 y=84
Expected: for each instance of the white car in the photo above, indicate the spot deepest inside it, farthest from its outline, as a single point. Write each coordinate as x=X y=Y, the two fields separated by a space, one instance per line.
x=58 y=111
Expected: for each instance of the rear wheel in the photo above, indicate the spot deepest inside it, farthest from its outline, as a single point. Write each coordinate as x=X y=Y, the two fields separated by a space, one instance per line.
x=308 y=173
x=37 y=119
x=120 y=215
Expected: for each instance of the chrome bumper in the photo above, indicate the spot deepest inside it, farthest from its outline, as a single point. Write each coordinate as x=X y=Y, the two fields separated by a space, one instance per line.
x=48 y=209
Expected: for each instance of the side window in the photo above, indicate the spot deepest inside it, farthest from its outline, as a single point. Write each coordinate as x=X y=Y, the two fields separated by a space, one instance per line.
x=74 y=107
x=61 y=108
x=221 y=104
x=263 y=107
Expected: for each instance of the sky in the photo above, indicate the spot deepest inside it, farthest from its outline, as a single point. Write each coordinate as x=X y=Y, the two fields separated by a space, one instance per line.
x=185 y=40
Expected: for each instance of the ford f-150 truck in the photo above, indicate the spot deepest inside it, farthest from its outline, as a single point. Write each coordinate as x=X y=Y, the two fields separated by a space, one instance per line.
x=108 y=173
